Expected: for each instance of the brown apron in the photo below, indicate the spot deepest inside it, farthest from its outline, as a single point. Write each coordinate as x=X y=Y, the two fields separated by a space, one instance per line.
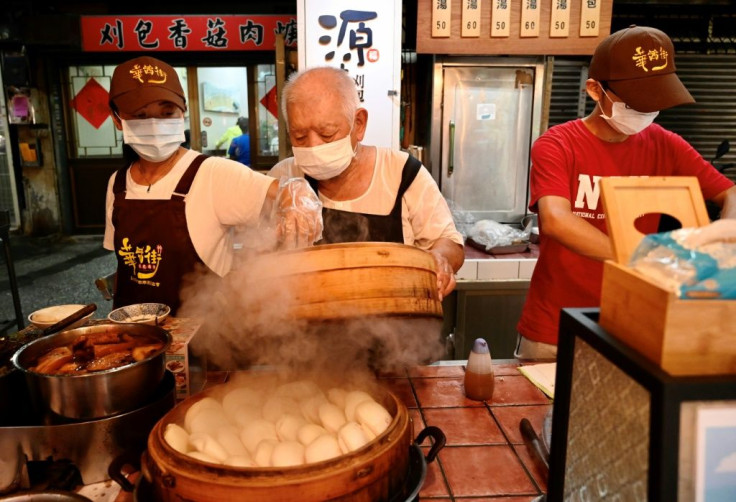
x=152 y=244
x=344 y=226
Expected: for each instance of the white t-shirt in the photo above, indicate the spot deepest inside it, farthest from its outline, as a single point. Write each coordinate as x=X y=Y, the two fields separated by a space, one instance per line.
x=424 y=211
x=224 y=194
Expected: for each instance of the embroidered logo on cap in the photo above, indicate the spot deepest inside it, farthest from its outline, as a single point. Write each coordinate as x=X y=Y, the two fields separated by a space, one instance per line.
x=642 y=58
x=152 y=74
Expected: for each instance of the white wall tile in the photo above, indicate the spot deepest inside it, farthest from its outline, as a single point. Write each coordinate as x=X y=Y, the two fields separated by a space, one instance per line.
x=526 y=267
x=468 y=272
x=498 y=269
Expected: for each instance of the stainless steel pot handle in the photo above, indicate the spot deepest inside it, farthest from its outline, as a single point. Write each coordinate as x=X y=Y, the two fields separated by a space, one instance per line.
x=115 y=469
x=451 y=160
x=438 y=441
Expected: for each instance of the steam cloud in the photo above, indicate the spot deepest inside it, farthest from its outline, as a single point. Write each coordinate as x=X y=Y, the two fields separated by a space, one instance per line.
x=248 y=320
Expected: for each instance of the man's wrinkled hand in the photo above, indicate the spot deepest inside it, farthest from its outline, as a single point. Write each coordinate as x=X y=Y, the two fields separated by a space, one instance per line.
x=298 y=214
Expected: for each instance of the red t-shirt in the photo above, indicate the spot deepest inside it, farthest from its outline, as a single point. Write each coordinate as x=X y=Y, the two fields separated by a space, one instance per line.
x=568 y=161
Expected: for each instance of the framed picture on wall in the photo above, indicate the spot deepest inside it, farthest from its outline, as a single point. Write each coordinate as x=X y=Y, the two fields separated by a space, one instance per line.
x=220 y=99
x=715 y=478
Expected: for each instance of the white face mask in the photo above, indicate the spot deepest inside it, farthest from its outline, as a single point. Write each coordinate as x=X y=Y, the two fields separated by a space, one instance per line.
x=325 y=161
x=154 y=139
x=627 y=120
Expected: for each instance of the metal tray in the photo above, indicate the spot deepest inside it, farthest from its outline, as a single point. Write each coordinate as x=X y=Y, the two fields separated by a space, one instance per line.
x=513 y=248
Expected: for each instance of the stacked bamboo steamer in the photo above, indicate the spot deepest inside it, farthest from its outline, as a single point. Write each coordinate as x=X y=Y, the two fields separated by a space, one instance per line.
x=356 y=280
x=372 y=473
x=336 y=282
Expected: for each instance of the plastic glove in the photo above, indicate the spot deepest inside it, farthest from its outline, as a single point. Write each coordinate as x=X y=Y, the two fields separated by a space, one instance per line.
x=446 y=281
x=298 y=214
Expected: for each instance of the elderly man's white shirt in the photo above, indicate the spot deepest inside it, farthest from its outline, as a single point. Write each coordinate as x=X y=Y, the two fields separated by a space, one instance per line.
x=425 y=214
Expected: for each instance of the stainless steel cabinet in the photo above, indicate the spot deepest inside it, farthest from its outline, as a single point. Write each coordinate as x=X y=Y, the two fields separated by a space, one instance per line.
x=484 y=309
x=486 y=113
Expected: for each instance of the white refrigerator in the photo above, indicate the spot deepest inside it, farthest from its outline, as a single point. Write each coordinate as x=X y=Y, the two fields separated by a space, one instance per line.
x=486 y=112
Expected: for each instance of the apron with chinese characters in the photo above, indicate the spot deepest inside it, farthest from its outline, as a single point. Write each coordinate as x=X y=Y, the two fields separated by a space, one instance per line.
x=344 y=226
x=152 y=244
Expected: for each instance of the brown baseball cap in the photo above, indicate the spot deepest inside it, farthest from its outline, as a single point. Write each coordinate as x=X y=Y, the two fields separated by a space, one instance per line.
x=144 y=80
x=638 y=64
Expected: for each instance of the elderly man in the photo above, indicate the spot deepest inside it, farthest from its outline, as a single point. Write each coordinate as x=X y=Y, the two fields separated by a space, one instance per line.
x=368 y=193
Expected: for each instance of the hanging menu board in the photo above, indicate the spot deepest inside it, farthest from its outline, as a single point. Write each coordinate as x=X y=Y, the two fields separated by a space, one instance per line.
x=559 y=25
x=590 y=17
x=470 y=26
x=441 y=18
x=500 y=18
x=499 y=27
x=529 y=26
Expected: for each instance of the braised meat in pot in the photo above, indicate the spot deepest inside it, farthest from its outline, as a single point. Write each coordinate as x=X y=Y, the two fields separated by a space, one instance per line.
x=96 y=352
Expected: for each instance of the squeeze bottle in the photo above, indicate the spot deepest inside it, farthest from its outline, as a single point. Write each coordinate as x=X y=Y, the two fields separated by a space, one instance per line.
x=479 y=372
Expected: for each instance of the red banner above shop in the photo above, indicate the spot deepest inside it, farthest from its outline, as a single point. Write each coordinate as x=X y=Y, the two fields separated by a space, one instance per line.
x=186 y=33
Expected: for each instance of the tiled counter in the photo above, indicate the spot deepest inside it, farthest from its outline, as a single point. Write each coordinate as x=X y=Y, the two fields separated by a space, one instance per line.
x=485 y=458
x=481 y=266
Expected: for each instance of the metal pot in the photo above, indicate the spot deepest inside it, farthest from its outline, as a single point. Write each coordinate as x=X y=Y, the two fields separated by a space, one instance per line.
x=98 y=394
x=89 y=446
x=11 y=380
x=45 y=496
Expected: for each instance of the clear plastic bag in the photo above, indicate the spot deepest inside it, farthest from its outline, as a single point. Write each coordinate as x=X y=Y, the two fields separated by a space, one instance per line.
x=464 y=220
x=691 y=262
x=491 y=234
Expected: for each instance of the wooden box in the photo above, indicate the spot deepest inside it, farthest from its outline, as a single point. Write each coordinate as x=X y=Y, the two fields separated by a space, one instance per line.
x=683 y=337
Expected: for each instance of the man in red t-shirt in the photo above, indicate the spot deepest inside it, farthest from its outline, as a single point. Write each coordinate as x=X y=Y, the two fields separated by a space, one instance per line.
x=632 y=77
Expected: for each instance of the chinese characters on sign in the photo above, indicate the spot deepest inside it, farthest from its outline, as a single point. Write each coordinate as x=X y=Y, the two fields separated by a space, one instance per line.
x=560 y=20
x=471 y=18
x=365 y=41
x=512 y=27
x=590 y=15
x=441 y=16
x=499 y=22
x=500 y=18
x=185 y=33
x=529 y=18
x=361 y=37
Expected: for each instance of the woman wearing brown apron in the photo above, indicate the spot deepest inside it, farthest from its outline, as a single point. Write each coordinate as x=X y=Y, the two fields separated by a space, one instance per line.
x=172 y=209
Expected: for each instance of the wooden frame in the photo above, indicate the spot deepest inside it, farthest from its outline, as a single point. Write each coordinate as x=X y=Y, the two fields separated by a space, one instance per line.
x=667 y=396
x=484 y=44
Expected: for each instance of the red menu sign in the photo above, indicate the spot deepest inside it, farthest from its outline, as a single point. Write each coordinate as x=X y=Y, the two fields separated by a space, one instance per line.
x=185 y=33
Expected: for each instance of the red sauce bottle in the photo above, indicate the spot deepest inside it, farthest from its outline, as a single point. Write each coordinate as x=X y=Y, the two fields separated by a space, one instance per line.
x=479 y=372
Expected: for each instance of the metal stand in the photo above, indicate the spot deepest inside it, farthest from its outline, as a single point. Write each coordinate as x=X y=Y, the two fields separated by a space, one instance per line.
x=8 y=256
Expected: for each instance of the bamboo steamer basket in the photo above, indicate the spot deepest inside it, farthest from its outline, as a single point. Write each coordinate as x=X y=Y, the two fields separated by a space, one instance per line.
x=371 y=473
x=344 y=281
